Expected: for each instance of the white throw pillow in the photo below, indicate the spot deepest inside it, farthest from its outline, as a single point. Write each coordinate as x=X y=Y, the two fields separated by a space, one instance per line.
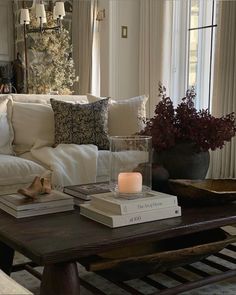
x=6 y=132
x=14 y=170
x=126 y=116
x=32 y=122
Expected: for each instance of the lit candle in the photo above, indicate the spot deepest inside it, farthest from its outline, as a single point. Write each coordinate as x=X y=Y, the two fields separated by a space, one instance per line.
x=130 y=182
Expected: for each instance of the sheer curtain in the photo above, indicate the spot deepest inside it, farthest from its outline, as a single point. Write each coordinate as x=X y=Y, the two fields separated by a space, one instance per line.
x=223 y=162
x=155 y=48
x=83 y=29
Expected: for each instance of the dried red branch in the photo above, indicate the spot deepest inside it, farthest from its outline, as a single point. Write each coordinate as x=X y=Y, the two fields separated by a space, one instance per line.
x=185 y=123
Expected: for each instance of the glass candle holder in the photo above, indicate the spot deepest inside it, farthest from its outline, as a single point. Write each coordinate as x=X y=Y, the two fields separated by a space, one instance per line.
x=130 y=165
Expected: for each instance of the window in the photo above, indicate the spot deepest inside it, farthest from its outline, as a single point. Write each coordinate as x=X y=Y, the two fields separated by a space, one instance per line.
x=201 y=49
x=194 y=26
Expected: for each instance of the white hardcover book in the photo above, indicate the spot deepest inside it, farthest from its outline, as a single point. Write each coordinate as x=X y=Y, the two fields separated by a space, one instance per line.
x=35 y=212
x=19 y=202
x=118 y=205
x=112 y=220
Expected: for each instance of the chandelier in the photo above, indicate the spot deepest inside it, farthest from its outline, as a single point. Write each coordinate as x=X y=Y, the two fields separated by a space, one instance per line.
x=40 y=13
x=39 y=10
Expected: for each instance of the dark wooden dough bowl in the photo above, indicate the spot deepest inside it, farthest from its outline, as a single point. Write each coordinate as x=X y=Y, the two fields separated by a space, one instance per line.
x=127 y=263
x=203 y=192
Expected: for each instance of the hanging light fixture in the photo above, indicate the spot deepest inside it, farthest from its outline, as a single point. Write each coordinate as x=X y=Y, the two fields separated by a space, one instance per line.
x=40 y=13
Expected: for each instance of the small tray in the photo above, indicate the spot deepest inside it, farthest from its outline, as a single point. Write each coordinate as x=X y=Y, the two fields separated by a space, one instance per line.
x=204 y=192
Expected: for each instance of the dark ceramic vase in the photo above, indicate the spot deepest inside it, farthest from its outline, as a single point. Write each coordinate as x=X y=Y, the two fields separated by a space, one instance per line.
x=183 y=161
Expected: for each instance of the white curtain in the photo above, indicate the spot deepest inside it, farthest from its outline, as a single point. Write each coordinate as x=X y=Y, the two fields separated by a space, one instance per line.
x=155 y=48
x=95 y=81
x=223 y=162
x=83 y=28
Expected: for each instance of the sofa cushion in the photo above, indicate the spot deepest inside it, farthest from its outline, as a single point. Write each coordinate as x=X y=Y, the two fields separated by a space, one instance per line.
x=32 y=121
x=81 y=123
x=14 y=170
x=125 y=117
x=6 y=132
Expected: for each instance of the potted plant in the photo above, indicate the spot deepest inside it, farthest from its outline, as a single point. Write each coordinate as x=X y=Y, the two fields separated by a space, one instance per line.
x=182 y=136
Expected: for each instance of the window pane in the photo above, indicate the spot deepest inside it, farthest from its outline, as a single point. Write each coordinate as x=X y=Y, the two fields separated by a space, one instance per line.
x=193 y=58
x=201 y=49
x=194 y=21
x=200 y=65
x=201 y=13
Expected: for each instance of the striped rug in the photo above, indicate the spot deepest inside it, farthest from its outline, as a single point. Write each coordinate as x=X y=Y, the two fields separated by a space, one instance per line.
x=92 y=283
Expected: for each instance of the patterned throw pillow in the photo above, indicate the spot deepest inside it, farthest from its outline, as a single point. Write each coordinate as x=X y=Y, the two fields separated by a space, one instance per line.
x=81 y=123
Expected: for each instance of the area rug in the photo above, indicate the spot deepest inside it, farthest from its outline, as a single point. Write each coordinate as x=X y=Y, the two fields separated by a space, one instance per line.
x=92 y=283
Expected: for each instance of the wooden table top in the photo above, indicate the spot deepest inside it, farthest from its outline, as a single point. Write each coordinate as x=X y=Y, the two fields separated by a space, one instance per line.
x=67 y=236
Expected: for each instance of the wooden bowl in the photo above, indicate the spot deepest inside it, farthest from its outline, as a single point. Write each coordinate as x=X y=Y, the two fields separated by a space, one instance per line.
x=203 y=192
x=159 y=256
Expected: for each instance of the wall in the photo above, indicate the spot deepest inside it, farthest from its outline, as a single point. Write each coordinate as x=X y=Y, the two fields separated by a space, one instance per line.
x=120 y=56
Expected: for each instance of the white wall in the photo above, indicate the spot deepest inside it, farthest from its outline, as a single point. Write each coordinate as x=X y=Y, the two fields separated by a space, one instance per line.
x=120 y=56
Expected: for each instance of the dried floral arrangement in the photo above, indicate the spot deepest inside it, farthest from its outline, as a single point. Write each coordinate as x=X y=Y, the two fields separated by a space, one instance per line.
x=52 y=66
x=185 y=123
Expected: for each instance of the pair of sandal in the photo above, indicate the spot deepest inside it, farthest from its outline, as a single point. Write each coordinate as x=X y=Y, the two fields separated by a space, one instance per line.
x=39 y=186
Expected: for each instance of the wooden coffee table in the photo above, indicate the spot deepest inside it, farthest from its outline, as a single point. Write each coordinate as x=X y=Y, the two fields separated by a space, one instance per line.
x=56 y=241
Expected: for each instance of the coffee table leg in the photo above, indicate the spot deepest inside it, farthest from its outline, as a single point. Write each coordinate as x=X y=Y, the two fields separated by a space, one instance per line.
x=60 y=279
x=6 y=258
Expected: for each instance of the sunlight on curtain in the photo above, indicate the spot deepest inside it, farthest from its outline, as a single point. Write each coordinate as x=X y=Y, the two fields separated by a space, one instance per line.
x=155 y=48
x=83 y=28
x=223 y=162
x=95 y=83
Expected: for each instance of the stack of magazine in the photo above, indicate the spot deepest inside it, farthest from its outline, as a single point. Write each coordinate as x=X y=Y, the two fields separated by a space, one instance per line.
x=114 y=211
x=20 y=206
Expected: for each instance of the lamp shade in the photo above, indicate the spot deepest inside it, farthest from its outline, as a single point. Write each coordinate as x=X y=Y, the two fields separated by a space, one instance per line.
x=59 y=10
x=24 y=16
x=44 y=21
x=40 y=11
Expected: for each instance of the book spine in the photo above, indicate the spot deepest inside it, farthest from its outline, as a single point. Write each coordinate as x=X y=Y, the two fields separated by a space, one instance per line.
x=76 y=194
x=129 y=219
x=134 y=207
x=146 y=216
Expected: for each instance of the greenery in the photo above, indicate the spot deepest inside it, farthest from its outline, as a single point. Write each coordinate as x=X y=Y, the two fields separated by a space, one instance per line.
x=184 y=123
x=52 y=67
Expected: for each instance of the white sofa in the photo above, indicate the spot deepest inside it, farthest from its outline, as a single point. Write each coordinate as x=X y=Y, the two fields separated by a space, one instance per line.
x=26 y=119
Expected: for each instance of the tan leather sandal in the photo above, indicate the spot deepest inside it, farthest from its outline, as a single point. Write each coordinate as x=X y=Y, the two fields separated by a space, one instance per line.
x=37 y=187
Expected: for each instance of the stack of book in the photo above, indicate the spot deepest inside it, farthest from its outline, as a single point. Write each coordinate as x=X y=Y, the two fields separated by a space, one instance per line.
x=83 y=192
x=20 y=206
x=114 y=211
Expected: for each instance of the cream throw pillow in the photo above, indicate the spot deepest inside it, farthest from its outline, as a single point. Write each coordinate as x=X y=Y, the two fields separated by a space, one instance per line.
x=125 y=117
x=31 y=122
x=6 y=132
